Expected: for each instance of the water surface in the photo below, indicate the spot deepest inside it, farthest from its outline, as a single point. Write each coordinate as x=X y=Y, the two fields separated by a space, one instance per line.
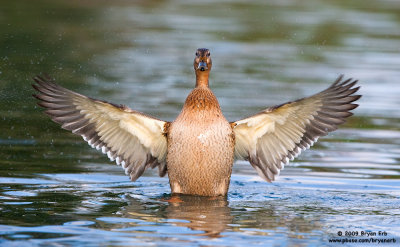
x=55 y=190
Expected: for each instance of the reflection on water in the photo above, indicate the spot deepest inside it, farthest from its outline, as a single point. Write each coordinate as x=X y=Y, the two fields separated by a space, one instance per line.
x=55 y=190
x=208 y=216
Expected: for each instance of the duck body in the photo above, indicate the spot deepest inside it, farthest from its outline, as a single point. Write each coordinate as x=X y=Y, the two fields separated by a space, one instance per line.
x=201 y=144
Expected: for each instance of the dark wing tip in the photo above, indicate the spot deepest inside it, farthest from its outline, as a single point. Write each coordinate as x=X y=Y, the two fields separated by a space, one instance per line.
x=357 y=97
x=44 y=77
x=338 y=80
x=41 y=82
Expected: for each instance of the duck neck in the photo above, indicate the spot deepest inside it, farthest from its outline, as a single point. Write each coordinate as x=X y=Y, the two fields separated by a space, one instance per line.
x=202 y=78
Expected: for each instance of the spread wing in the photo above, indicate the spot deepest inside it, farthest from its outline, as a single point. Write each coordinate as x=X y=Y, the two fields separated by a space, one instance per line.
x=134 y=140
x=278 y=134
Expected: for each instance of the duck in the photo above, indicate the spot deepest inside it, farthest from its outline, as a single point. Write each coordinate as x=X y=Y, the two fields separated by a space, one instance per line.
x=197 y=150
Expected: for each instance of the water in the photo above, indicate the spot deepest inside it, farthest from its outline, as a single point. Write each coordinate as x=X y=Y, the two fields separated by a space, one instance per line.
x=55 y=190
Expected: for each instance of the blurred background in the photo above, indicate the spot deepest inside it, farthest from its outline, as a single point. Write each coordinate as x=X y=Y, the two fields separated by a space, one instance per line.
x=55 y=189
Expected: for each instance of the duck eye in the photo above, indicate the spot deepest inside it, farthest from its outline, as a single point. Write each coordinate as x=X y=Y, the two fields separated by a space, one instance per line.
x=197 y=54
x=208 y=54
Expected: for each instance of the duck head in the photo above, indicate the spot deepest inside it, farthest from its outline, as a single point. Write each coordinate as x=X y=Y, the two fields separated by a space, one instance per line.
x=202 y=60
x=202 y=66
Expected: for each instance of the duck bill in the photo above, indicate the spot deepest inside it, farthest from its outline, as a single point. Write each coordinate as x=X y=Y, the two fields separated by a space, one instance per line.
x=202 y=66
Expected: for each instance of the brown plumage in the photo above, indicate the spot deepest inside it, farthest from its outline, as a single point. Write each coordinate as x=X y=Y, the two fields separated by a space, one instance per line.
x=197 y=149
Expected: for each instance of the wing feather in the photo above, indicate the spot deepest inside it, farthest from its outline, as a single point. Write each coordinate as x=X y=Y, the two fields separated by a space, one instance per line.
x=273 y=137
x=132 y=139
